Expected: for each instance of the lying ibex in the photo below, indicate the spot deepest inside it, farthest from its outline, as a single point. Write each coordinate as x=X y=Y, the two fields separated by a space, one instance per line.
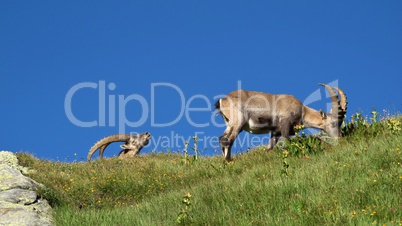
x=132 y=146
x=260 y=113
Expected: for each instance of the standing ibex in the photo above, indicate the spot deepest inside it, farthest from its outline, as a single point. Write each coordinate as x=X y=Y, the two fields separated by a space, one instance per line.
x=260 y=113
x=132 y=147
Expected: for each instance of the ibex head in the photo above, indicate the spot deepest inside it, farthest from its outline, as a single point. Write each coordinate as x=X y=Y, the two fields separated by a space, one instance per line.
x=132 y=146
x=332 y=121
x=137 y=141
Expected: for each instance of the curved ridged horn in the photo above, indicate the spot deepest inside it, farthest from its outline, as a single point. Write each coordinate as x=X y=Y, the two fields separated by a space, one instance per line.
x=334 y=98
x=343 y=101
x=103 y=143
x=102 y=150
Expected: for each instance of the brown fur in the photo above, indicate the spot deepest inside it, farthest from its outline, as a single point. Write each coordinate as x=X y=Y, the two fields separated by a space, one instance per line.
x=132 y=146
x=260 y=113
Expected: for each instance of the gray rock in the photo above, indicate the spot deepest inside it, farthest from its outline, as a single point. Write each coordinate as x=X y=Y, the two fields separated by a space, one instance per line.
x=17 y=195
x=12 y=178
x=8 y=158
x=19 y=200
x=24 y=215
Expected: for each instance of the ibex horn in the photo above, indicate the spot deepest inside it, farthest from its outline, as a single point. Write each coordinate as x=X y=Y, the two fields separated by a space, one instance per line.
x=103 y=143
x=334 y=98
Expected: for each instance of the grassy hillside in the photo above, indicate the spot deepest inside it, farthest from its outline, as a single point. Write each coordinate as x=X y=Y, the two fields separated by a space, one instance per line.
x=357 y=182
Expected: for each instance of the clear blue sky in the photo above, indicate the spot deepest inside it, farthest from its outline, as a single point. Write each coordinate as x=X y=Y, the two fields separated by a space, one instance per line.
x=150 y=55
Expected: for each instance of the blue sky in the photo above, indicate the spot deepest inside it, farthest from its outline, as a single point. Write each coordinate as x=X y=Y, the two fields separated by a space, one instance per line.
x=152 y=62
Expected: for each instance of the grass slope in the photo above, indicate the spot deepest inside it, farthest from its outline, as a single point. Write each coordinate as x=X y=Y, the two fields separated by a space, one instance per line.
x=357 y=182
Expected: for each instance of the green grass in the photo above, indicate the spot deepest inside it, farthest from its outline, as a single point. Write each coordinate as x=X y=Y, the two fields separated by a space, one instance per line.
x=357 y=182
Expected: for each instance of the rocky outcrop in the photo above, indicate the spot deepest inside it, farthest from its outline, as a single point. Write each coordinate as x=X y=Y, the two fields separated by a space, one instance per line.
x=20 y=203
